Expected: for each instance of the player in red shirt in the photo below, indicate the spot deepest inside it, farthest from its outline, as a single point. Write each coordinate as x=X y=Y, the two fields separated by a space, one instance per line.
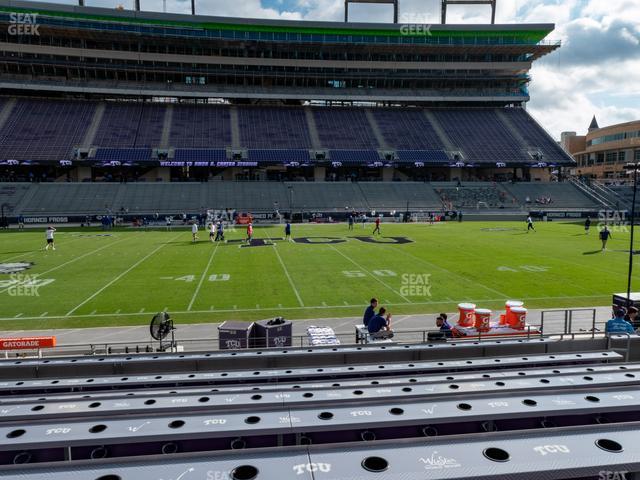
x=377 y=229
x=249 y=232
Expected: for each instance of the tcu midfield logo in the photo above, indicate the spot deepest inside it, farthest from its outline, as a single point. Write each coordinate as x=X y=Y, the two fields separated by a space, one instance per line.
x=16 y=267
x=261 y=242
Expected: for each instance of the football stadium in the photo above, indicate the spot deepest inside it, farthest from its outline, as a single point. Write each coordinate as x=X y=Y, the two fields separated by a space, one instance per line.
x=241 y=248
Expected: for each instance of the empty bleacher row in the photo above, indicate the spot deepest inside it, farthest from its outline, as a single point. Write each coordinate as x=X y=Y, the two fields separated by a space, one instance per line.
x=493 y=409
x=51 y=130
x=173 y=198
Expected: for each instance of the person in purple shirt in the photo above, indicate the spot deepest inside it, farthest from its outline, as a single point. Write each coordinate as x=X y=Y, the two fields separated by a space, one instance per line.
x=370 y=312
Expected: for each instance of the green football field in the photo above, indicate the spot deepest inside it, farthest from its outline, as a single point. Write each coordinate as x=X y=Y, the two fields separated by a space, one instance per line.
x=123 y=278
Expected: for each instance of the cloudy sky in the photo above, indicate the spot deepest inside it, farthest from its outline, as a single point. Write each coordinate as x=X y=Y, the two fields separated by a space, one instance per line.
x=597 y=70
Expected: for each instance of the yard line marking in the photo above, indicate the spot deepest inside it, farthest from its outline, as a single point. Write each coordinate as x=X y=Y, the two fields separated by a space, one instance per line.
x=346 y=303
x=94 y=311
x=324 y=304
x=236 y=309
x=370 y=274
x=118 y=311
x=141 y=310
x=120 y=276
x=18 y=315
x=44 y=314
x=286 y=272
x=66 y=263
x=211 y=307
x=204 y=274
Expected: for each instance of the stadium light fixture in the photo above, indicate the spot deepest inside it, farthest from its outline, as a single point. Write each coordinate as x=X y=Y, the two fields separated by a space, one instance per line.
x=389 y=2
x=446 y=3
x=632 y=168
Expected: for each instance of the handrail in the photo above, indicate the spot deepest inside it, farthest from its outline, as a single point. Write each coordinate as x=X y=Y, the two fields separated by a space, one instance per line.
x=412 y=336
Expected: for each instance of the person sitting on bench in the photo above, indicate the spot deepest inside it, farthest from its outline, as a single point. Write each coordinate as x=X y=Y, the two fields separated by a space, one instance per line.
x=443 y=325
x=379 y=327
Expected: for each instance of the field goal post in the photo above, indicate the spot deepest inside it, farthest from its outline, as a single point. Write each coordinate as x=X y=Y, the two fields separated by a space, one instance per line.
x=389 y=2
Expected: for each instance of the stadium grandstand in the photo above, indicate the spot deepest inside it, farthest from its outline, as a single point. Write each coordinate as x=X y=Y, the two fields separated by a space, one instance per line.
x=216 y=122
x=175 y=97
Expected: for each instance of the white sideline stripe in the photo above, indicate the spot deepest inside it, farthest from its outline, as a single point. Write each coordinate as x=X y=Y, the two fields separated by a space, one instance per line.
x=204 y=274
x=286 y=272
x=318 y=307
x=370 y=274
x=119 y=277
x=66 y=263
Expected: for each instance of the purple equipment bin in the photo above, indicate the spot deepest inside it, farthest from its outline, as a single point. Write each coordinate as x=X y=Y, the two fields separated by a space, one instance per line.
x=272 y=333
x=234 y=335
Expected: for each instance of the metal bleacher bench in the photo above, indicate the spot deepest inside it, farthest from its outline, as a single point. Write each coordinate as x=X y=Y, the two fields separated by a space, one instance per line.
x=363 y=336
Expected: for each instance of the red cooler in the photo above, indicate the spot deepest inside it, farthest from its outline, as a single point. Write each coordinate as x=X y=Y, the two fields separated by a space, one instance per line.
x=508 y=316
x=467 y=317
x=518 y=318
x=482 y=319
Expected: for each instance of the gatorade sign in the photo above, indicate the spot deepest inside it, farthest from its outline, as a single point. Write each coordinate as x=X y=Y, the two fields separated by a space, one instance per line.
x=27 y=343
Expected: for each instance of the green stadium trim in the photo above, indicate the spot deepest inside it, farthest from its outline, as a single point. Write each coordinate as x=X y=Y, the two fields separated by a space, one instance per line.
x=527 y=36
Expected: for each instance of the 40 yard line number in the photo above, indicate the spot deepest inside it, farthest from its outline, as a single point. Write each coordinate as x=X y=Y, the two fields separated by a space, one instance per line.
x=216 y=277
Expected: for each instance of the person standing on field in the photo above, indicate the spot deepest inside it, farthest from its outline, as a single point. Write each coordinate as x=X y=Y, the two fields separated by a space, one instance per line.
x=194 y=231
x=530 y=224
x=50 y=242
x=212 y=232
x=249 y=232
x=287 y=231
x=220 y=232
x=377 y=229
x=605 y=235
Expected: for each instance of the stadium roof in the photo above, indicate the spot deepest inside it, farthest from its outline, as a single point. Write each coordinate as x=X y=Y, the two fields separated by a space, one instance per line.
x=530 y=32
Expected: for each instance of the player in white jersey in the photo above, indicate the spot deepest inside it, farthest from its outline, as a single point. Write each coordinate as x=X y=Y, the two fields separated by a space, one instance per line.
x=530 y=224
x=212 y=232
x=49 y=234
x=194 y=231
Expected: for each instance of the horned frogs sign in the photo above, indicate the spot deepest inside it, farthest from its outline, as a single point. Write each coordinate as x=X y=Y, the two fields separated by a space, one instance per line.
x=15 y=267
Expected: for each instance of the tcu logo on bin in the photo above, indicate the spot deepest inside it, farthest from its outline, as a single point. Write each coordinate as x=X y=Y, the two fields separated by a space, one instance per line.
x=547 y=449
x=279 y=341
x=233 y=344
x=312 y=467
